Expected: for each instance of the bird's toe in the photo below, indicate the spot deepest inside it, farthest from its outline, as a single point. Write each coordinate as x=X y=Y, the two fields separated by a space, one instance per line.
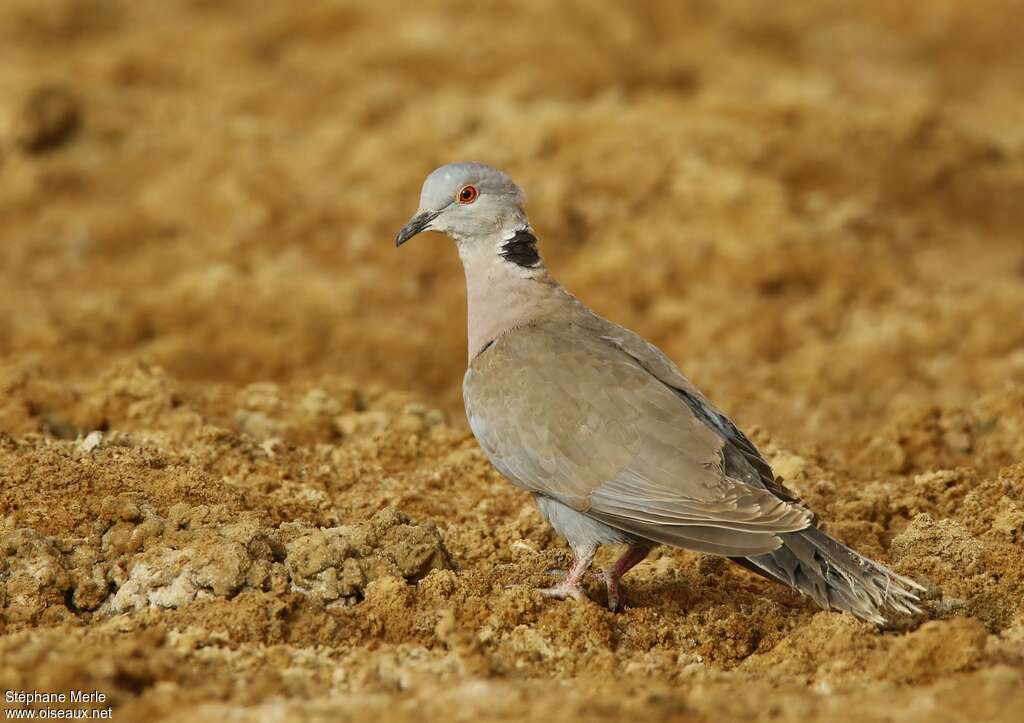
x=563 y=590
x=614 y=590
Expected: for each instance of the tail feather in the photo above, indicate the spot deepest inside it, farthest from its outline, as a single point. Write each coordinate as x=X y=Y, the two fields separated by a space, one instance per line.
x=836 y=577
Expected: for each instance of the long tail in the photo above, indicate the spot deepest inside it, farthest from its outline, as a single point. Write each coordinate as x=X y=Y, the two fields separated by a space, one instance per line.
x=836 y=577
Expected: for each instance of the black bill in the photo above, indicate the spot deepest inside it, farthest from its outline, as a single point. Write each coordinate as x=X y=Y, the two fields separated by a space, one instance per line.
x=418 y=223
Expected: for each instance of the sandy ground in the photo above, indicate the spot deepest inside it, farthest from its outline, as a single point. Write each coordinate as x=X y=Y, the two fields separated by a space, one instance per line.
x=815 y=208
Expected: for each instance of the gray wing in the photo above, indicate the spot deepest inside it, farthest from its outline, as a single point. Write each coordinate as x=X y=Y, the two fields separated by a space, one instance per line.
x=742 y=459
x=568 y=413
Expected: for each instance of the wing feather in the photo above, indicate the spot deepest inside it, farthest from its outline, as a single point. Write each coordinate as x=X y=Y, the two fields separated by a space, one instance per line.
x=570 y=414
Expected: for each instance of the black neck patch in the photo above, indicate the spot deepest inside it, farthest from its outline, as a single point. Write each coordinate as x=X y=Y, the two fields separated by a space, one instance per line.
x=521 y=250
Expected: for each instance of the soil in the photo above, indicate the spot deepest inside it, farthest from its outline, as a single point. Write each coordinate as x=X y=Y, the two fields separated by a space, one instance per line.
x=235 y=478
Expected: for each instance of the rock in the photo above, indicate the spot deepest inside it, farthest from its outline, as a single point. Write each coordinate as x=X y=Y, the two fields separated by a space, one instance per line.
x=139 y=560
x=1009 y=521
x=338 y=563
x=34 y=576
x=943 y=543
x=92 y=441
x=362 y=423
x=258 y=424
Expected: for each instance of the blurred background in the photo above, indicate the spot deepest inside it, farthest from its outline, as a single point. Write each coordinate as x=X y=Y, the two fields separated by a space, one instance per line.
x=814 y=207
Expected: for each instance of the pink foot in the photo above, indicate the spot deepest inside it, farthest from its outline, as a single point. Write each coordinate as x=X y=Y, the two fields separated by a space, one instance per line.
x=613 y=575
x=570 y=585
x=563 y=590
x=611 y=582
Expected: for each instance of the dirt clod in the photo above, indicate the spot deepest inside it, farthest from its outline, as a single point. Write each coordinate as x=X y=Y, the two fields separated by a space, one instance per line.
x=235 y=477
x=49 y=117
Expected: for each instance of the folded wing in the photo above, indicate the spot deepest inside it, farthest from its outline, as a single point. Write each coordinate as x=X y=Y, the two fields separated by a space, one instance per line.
x=569 y=413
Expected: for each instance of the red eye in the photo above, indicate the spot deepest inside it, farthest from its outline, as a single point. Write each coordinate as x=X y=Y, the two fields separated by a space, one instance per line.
x=468 y=194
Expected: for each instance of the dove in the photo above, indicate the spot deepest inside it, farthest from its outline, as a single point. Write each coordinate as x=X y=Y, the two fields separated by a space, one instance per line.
x=614 y=443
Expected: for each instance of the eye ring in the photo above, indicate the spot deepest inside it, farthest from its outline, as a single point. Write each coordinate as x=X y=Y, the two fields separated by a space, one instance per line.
x=467 y=194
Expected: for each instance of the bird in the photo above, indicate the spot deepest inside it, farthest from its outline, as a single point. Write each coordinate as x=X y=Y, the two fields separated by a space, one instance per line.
x=614 y=443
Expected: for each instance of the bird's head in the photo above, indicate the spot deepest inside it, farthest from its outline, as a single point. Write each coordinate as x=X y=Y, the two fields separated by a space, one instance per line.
x=470 y=202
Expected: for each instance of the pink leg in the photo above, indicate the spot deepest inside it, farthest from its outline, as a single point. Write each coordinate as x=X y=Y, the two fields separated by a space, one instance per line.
x=570 y=585
x=633 y=555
